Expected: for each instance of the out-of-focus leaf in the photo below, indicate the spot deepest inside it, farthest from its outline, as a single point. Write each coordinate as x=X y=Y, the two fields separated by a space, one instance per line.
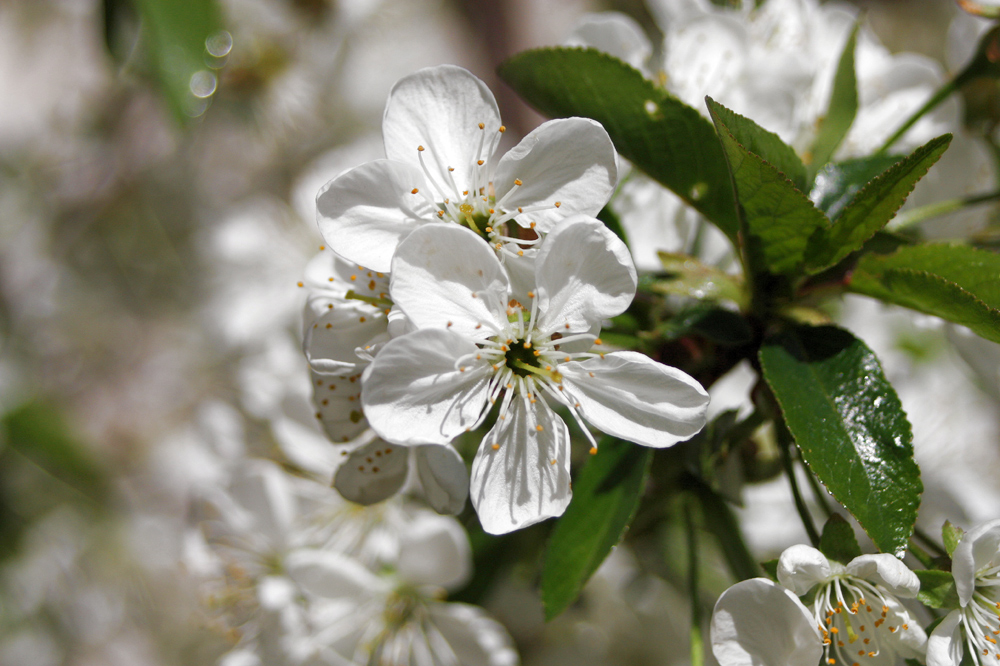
x=710 y=322
x=955 y=282
x=837 y=184
x=771 y=569
x=872 y=208
x=950 y=536
x=689 y=277
x=605 y=498
x=850 y=427
x=838 y=541
x=833 y=127
x=937 y=589
x=719 y=520
x=779 y=219
x=177 y=31
x=658 y=133
x=611 y=221
x=36 y=431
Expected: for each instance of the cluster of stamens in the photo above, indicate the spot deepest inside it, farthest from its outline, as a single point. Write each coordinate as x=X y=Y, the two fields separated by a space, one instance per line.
x=851 y=614
x=477 y=207
x=981 y=617
x=525 y=363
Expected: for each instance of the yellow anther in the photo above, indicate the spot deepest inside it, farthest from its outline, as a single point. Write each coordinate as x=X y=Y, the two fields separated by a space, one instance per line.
x=531 y=225
x=502 y=129
x=598 y=341
x=539 y=428
x=329 y=325
x=553 y=460
x=420 y=149
x=834 y=630
x=329 y=279
x=322 y=247
x=479 y=162
x=300 y=284
x=520 y=210
x=440 y=213
x=362 y=319
x=496 y=447
x=558 y=203
x=353 y=278
x=414 y=191
x=517 y=181
x=536 y=353
x=482 y=126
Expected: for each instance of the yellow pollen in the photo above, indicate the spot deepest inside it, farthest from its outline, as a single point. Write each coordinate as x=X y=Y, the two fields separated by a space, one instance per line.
x=520 y=210
x=871 y=654
x=537 y=353
x=862 y=628
x=867 y=641
x=520 y=253
x=593 y=450
x=479 y=162
x=510 y=386
x=553 y=462
x=548 y=368
x=318 y=415
x=834 y=630
x=539 y=428
x=322 y=247
x=482 y=126
x=517 y=181
x=479 y=357
x=491 y=212
x=598 y=341
x=420 y=149
x=496 y=447
x=371 y=285
x=489 y=230
x=558 y=203
x=329 y=279
x=465 y=192
x=325 y=402
x=502 y=129
x=414 y=191
x=362 y=319
x=300 y=284
x=329 y=325
x=531 y=294
x=440 y=213
x=531 y=226
x=461 y=369
x=831 y=661
x=478 y=326
x=527 y=345
x=353 y=278
x=499 y=246
x=448 y=325
x=567 y=359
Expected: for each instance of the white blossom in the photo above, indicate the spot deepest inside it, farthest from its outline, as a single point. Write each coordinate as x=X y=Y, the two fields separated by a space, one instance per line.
x=441 y=130
x=474 y=344
x=975 y=626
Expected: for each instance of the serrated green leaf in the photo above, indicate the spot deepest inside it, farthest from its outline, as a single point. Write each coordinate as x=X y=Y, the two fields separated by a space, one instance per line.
x=937 y=589
x=955 y=282
x=779 y=219
x=850 y=427
x=840 y=112
x=177 y=32
x=658 y=133
x=605 y=498
x=689 y=277
x=872 y=208
x=837 y=184
x=950 y=536
x=838 y=541
x=759 y=141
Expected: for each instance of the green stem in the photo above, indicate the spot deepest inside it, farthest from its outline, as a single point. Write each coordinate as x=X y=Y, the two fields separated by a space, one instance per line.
x=697 y=650
x=819 y=494
x=915 y=216
x=929 y=542
x=925 y=559
x=800 y=504
x=942 y=94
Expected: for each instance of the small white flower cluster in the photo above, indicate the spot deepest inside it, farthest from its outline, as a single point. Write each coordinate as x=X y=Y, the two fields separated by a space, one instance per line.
x=294 y=579
x=460 y=278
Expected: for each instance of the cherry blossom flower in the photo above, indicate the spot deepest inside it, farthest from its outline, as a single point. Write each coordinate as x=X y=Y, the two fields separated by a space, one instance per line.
x=855 y=615
x=474 y=344
x=975 y=626
x=441 y=130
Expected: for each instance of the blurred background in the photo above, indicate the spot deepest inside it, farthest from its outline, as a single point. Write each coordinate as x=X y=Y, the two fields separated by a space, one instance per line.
x=156 y=213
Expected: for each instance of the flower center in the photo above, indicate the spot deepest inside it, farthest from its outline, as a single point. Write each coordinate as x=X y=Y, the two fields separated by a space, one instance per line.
x=981 y=618
x=852 y=615
x=521 y=358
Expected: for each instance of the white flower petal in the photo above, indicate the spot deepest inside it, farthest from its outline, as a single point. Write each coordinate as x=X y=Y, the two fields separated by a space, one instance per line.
x=338 y=406
x=446 y=276
x=801 y=567
x=305 y=446
x=330 y=340
x=584 y=274
x=443 y=477
x=262 y=489
x=979 y=548
x=887 y=571
x=945 y=646
x=614 y=33
x=909 y=643
x=526 y=479
x=440 y=108
x=570 y=161
x=414 y=394
x=758 y=623
x=474 y=638
x=372 y=473
x=364 y=213
x=630 y=396
x=434 y=550
x=331 y=575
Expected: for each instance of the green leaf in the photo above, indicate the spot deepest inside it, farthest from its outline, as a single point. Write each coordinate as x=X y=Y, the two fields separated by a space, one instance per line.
x=850 y=427
x=605 y=498
x=937 y=589
x=841 y=110
x=36 y=431
x=757 y=140
x=955 y=282
x=693 y=279
x=872 y=208
x=838 y=541
x=779 y=219
x=837 y=184
x=178 y=31
x=612 y=222
x=771 y=569
x=950 y=536
x=661 y=135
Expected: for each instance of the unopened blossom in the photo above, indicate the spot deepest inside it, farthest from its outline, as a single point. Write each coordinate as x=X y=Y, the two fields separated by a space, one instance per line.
x=347 y=320
x=475 y=344
x=441 y=130
x=975 y=625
